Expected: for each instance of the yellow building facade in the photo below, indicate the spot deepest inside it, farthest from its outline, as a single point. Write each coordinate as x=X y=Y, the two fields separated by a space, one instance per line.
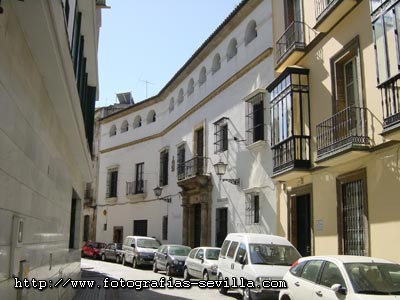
x=334 y=116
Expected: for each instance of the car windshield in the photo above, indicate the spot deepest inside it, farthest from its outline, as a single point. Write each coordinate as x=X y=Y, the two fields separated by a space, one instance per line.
x=212 y=254
x=374 y=278
x=119 y=246
x=271 y=254
x=147 y=243
x=179 y=250
x=98 y=245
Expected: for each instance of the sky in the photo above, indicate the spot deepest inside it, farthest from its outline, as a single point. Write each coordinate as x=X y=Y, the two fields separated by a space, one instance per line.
x=150 y=40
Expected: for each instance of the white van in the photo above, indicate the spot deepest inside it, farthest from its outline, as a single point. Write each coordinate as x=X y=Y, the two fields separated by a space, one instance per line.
x=254 y=257
x=139 y=250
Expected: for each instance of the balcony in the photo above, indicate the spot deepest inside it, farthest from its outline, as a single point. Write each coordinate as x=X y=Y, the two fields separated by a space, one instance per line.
x=88 y=197
x=192 y=173
x=292 y=153
x=329 y=12
x=136 y=189
x=343 y=133
x=291 y=46
x=390 y=94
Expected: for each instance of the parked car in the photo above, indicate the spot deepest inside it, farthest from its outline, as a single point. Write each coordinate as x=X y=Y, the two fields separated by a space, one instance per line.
x=202 y=262
x=139 y=250
x=342 y=277
x=92 y=249
x=170 y=258
x=113 y=251
x=255 y=257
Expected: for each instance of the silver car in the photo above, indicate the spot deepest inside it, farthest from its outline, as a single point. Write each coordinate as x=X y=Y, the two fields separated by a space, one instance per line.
x=202 y=262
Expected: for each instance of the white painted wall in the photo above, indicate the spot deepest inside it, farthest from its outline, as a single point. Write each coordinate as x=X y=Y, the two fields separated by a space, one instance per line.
x=252 y=166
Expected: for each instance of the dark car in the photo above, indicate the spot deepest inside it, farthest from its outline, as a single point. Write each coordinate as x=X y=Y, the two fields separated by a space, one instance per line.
x=113 y=251
x=170 y=258
x=92 y=249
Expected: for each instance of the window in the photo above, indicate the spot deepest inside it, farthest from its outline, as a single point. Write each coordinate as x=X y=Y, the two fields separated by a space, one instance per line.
x=112 y=181
x=151 y=117
x=181 y=161
x=139 y=185
x=331 y=275
x=124 y=126
x=193 y=253
x=171 y=104
x=221 y=135
x=190 y=88
x=137 y=122
x=180 y=96
x=353 y=214
x=385 y=27
x=296 y=270
x=346 y=77
x=200 y=254
x=164 y=168
x=165 y=228
x=216 y=63
x=232 y=249
x=224 y=248
x=113 y=130
x=241 y=252
x=202 y=76
x=252 y=208
x=232 y=49
x=140 y=228
x=311 y=270
x=251 y=32
x=255 y=118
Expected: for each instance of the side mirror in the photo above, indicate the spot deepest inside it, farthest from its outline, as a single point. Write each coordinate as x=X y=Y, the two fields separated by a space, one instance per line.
x=133 y=245
x=202 y=260
x=338 y=288
x=241 y=259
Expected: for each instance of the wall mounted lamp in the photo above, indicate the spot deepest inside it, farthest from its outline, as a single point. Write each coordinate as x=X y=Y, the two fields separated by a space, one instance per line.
x=220 y=170
x=158 y=191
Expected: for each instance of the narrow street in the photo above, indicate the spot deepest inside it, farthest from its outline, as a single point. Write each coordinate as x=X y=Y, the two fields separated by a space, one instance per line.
x=98 y=270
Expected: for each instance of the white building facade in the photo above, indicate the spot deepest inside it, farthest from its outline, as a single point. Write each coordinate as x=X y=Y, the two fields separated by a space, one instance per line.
x=214 y=109
x=48 y=88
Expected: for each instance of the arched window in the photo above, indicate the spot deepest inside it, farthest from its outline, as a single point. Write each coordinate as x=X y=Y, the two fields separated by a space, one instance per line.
x=113 y=130
x=251 y=32
x=180 y=96
x=124 y=126
x=216 y=64
x=202 y=76
x=190 y=88
x=137 y=122
x=151 y=117
x=232 y=49
x=171 y=104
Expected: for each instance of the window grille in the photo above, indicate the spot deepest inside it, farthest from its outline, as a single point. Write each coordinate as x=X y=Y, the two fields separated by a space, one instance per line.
x=252 y=209
x=221 y=135
x=255 y=119
x=164 y=168
x=112 y=181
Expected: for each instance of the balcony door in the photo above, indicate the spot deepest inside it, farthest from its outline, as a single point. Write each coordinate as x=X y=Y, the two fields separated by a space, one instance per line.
x=292 y=12
x=139 y=187
x=199 y=148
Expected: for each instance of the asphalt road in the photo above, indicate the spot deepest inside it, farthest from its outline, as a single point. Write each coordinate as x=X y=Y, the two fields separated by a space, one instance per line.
x=99 y=271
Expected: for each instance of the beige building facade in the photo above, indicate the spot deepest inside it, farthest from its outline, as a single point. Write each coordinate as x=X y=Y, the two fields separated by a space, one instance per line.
x=334 y=137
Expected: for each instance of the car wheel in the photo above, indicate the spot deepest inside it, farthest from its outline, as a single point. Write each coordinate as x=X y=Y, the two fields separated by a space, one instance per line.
x=117 y=259
x=246 y=294
x=95 y=256
x=155 y=270
x=103 y=257
x=186 y=275
x=123 y=260
x=222 y=289
x=168 y=270
x=134 y=263
x=206 y=277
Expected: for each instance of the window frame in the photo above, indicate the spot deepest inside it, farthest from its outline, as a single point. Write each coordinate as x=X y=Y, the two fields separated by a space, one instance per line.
x=221 y=135
x=112 y=183
x=164 y=158
x=252 y=208
x=258 y=122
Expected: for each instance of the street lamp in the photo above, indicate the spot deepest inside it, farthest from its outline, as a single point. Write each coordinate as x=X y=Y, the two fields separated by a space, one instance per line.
x=157 y=192
x=220 y=170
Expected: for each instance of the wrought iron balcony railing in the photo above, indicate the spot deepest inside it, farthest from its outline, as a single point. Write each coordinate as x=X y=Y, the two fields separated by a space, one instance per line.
x=192 y=167
x=390 y=94
x=296 y=37
x=347 y=128
x=293 y=152
x=136 y=187
x=323 y=6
